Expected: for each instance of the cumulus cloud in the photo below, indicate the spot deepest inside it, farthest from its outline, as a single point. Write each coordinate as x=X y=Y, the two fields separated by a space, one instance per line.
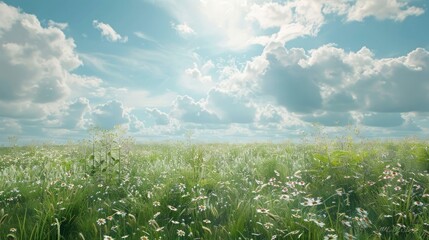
x=269 y=114
x=161 y=118
x=276 y=21
x=196 y=74
x=292 y=87
x=382 y=9
x=110 y=114
x=108 y=32
x=73 y=115
x=198 y=78
x=396 y=84
x=231 y=107
x=35 y=63
x=328 y=78
x=328 y=84
x=187 y=109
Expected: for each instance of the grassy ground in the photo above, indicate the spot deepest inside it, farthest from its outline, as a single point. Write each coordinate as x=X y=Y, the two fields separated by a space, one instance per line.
x=107 y=188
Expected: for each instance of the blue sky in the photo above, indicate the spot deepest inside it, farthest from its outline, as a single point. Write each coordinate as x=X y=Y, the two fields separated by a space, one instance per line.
x=237 y=70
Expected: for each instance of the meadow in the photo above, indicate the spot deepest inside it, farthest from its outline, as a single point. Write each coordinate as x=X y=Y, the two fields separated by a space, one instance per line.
x=108 y=187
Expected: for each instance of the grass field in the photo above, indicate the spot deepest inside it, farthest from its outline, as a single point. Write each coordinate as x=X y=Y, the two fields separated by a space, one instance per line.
x=110 y=188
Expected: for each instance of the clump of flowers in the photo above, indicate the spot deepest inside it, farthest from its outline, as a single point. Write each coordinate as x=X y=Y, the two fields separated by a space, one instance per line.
x=311 y=202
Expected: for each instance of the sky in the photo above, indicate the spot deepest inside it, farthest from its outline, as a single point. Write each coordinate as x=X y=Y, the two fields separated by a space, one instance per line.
x=216 y=70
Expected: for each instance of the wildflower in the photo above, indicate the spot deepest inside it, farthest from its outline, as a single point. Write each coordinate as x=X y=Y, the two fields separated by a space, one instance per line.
x=319 y=223
x=285 y=197
x=156 y=214
x=401 y=225
x=152 y=222
x=346 y=223
x=330 y=237
x=110 y=218
x=180 y=233
x=125 y=236
x=122 y=213
x=425 y=195
x=106 y=237
x=172 y=208
x=262 y=210
x=175 y=222
x=182 y=187
x=312 y=202
x=348 y=236
x=101 y=221
x=206 y=221
x=202 y=208
x=12 y=230
x=418 y=203
x=397 y=188
x=144 y=238
x=362 y=212
x=268 y=225
x=156 y=204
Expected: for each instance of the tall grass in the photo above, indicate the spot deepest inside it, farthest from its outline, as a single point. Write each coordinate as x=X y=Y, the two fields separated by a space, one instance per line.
x=107 y=187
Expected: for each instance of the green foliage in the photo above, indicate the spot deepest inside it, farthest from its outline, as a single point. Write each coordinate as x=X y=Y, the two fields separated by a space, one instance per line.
x=109 y=187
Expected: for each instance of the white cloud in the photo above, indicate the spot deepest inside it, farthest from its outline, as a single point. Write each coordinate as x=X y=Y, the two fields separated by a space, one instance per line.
x=230 y=106
x=221 y=22
x=110 y=114
x=108 y=32
x=284 y=20
x=198 y=78
x=73 y=115
x=397 y=10
x=35 y=63
x=196 y=74
x=144 y=36
x=59 y=25
x=271 y=14
x=161 y=118
x=270 y=114
x=328 y=78
x=183 y=29
x=136 y=98
x=187 y=109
